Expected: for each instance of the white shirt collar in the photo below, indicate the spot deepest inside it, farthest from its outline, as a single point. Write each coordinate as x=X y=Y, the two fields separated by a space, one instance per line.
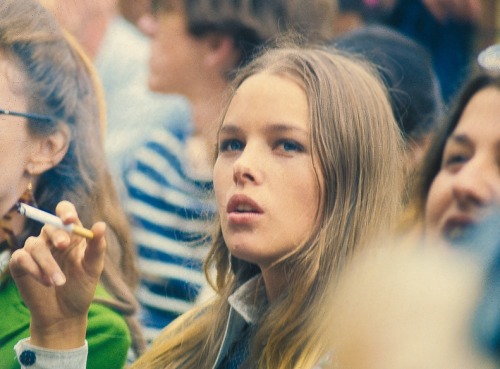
x=249 y=299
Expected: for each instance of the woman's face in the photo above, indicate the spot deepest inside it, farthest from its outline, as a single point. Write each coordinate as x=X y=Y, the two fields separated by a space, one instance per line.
x=15 y=141
x=265 y=183
x=467 y=187
x=175 y=64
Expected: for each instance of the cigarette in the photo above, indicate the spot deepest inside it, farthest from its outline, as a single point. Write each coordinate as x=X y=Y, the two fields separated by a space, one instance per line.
x=47 y=218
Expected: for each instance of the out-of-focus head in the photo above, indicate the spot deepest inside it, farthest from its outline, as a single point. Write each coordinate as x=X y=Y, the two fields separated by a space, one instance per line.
x=188 y=36
x=460 y=179
x=41 y=69
x=252 y=23
x=406 y=69
x=398 y=307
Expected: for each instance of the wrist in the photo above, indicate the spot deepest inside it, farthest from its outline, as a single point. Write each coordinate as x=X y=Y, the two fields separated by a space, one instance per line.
x=63 y=335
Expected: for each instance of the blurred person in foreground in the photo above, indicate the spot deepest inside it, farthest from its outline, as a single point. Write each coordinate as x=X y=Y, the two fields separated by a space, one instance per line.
x=402 y=306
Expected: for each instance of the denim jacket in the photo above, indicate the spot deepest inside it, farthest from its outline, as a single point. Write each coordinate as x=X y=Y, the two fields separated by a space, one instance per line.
x=246 y=307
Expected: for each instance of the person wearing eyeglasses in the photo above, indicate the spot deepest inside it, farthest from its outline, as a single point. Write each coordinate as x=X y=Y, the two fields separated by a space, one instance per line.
x=51 y=130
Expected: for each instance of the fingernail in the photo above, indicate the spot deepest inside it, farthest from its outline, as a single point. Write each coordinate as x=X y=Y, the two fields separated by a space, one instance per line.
x=58 y=279
x=68 y=215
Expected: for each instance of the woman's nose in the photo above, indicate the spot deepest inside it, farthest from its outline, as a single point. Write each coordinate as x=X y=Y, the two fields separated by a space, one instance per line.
x=476 y=184
x=246 y=169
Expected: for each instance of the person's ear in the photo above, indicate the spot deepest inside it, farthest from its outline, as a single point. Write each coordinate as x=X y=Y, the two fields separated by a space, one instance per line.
x=48 y=151
x=221 y=52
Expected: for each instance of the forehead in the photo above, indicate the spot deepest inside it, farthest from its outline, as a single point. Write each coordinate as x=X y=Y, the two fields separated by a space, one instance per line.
x=12 y=82
x=269 y=98
x=481 y=112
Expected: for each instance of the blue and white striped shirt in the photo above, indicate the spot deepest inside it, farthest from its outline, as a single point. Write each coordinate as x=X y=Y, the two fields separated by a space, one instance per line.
x=171 y=210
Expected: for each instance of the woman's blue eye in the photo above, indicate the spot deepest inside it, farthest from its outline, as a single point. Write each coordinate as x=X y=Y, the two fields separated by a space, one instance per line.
x=231 y=145
x=289 y=145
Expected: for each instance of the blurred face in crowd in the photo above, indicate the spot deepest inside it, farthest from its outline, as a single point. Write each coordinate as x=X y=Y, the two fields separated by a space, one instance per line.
x=467 y=187
x=176 y=60
x=265 y=183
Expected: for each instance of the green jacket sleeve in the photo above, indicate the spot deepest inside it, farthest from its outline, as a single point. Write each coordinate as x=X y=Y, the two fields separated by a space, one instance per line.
x=107 y=333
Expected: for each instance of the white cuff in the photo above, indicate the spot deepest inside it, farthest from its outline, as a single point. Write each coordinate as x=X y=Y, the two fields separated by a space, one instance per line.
x=34 y=357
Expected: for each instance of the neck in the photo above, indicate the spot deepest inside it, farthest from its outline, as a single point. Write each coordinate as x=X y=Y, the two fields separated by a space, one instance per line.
x=274 y=280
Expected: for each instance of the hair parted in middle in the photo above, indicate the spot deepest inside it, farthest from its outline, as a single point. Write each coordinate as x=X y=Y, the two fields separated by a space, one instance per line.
x=358 y=145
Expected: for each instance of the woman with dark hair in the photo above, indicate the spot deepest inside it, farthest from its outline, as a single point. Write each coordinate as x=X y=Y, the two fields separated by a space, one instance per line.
x=51 y=132
x=459 y=179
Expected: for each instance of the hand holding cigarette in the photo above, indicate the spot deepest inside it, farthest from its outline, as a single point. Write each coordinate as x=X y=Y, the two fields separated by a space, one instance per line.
x=56 y=274
x=47 y=218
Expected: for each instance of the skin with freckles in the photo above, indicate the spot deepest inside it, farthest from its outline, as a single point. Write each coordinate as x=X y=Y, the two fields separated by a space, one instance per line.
x=467 y=187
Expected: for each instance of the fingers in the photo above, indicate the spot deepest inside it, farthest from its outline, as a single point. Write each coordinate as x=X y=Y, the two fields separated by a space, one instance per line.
x=45 y=257
x=94 y=252
x=36 y=260
x=59 y=237
x=67 y=212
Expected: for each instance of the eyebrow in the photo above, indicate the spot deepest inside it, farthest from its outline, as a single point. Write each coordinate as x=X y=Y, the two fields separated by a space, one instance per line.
x=460 y=139
x=273 y=128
